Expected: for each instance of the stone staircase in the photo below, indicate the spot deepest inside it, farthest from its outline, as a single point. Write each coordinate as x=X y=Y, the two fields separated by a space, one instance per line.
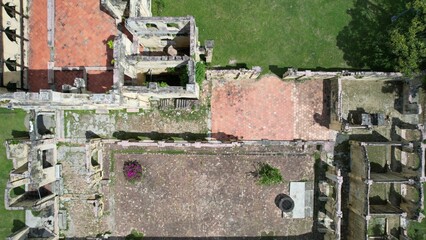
x=176 y=103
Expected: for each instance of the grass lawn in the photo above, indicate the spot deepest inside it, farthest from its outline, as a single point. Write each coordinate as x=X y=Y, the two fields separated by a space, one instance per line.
x=284 y=33
x=10 y=121
x=417 y=231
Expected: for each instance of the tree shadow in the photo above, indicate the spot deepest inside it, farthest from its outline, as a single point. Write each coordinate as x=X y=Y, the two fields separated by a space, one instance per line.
x=365 y=40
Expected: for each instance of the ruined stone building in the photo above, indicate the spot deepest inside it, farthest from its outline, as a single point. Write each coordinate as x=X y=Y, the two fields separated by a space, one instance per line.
x=330 y=221
x=160 y=54
x=34 y=183
x=350 y=110
x=154 y=58
x=384 y=190
x=14 y=42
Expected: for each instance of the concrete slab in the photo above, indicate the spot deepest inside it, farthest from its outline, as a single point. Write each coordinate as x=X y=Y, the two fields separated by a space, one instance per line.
x=297 y=193
x=31 y=220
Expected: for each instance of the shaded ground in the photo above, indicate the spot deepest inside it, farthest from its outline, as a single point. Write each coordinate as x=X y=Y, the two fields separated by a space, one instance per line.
x=270 y=108
x=66 y=77
x=99 y=81
x=373 y=96
x=205 y=194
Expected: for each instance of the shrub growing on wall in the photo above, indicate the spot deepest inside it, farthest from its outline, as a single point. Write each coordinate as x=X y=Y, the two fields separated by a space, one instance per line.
x=132 y=171
x=110 y=44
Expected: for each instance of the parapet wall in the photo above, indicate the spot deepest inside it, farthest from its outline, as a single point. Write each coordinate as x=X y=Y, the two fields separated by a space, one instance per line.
x=301 y=145
x=344 y=74
x=51 y=99
x=241 y=73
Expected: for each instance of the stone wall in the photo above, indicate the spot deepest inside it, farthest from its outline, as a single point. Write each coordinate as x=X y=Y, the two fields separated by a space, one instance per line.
x=51 y=99
x=241 y=73
x=137 y=8
x=335 y=104
x=293 y=73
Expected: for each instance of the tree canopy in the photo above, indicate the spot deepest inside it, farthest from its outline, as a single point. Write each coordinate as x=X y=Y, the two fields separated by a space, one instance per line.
x=408 y=38
x=386 y=35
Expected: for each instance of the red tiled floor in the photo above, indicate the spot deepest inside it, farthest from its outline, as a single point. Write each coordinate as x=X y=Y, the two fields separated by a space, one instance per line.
x=99 y=81
x=270 y=108
x=311 y=111
x=81 y=33
x=253 y=110
x=38 y=49
x=66 y=77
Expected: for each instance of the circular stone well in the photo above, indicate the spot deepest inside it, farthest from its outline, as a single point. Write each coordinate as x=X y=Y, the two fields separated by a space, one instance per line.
x=284 y=202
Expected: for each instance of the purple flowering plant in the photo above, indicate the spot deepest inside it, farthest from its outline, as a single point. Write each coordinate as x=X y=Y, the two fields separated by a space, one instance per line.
x=132 y=171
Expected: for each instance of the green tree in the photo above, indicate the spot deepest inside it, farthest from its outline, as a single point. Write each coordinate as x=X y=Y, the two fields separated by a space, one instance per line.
x=408 y=38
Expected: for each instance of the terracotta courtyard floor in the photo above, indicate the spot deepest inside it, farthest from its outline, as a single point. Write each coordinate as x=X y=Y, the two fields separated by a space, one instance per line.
x=81 y=32
x=39 y=51
x=270 y=108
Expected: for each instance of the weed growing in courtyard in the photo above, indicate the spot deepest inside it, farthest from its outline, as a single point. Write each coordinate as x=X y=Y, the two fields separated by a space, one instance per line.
x=132 y=171
x=269 y=175
x=135 y=235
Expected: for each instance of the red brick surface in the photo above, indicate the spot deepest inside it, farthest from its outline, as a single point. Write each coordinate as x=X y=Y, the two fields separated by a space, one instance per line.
x=253 y=110
x=311 y=111
x=99 y=81
x=81 y=33
x=38 y=49
x=269 y=108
